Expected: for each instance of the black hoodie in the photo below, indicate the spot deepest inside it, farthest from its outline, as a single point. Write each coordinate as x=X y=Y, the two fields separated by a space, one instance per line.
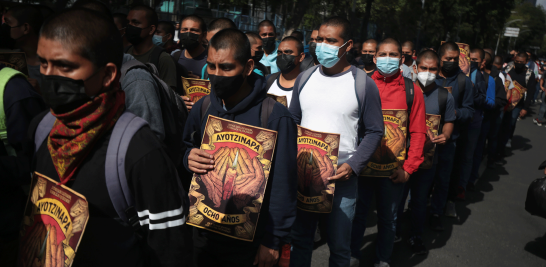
x=278 y=210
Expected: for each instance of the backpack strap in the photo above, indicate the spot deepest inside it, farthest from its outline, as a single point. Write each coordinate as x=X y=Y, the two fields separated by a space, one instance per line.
x=461 y=81
x=360 y=89
x=156 y=53
x=486 y=77
x=116 y=181
x=410 y=94
x=442 y=102
x=271 y=79
x=205 y=107
x=267 y=109
x=126 y=49
x=305 y=76
x=131 y=64
x=176 y=56
x=43 y=130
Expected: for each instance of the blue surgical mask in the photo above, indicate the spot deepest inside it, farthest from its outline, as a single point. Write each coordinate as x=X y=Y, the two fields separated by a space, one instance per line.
x=158 y=40
x=327 y=54
x=388 y=66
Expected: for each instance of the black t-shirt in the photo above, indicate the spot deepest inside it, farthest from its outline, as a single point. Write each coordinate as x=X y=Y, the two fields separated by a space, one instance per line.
x=159 y=202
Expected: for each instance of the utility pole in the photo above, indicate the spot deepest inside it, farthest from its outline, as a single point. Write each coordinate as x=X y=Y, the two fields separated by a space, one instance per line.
x=417 y=45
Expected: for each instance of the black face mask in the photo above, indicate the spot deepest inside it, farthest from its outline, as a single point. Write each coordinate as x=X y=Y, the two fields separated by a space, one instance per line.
x=133 y=34
x=5 y=37
x=63 y=94
x=189 y=40
x=269 y=43
x=226 y=86
x=450 y=67
x=408 y=59
x=313 y=49
x=473 y=65
x=366 y=59
x=286 y=63
x=351 y=57
x=258 y=55
x=519 y=66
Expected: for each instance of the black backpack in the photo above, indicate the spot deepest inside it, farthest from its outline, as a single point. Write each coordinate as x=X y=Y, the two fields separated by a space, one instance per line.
x=173 y=111
x=181 y=71
x=461 y=81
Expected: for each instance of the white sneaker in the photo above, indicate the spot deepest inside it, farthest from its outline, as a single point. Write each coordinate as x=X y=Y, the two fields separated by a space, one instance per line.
x=354 y=262
x=535 y=120
x=381 y=264
x=450 y=209
x=509 y=143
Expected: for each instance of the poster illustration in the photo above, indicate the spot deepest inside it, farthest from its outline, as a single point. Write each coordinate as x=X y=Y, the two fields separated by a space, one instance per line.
x=465 y=50
x=391 y=153
x=195 y=89
x=15 y=60
x=53 y=224
x=281 y=99
x=227 y=199
x=516 y=94
x=433 y=127
x=317 y=160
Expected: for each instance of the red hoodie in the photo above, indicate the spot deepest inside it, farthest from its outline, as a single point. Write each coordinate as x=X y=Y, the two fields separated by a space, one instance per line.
x=393 y=96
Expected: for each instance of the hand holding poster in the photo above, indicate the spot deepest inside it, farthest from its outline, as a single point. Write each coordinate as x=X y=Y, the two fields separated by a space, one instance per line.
x=15 y=60
x=227 y=199
x=53 y=224
x=433 y=126
x=195 y=89
x=281 y=99
x=391 y=153
x=317 y=160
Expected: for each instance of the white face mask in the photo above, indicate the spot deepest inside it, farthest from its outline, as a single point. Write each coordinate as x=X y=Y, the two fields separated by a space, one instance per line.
x=426 y=78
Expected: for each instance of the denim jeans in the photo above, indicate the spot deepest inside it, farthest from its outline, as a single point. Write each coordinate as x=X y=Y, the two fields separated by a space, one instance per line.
x=442 y=177
x=487 y=123
x=419 y=185
x=340 y=222
x=494 y=135
x=387 y=197
x=466 y=147
x=542 y=111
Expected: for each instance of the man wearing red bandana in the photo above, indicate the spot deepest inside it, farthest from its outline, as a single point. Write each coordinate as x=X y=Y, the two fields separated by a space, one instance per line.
x=80 y=67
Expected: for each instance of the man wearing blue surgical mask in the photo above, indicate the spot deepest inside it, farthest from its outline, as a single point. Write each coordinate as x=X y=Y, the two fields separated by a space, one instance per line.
x=398 y=94
x=324 y=100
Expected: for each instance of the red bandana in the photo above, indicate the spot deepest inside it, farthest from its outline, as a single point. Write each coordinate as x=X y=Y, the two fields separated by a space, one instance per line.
x=74 y=133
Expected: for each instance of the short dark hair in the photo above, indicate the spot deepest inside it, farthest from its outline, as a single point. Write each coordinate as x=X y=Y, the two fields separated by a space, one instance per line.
x=342 y=23
x=370 y=41
x=427 y=54
x=479 y=51
x=220 y=24
x=408 y=44
x=267 y=23
x=94 y=5
x=28 y=14
x=151 y=15
x=46 y=11
x=253 y=36
x=522 y=54
x=168 y=27
x=298 y=35
x=299 y=44
x=488 y=60
x=390 y=41
x=447 y=46
x=498 y=60
x=233 y=39
x=317 y=27
x=100 y=44
x=122 y=17
x=490 y=51
x=195 y=18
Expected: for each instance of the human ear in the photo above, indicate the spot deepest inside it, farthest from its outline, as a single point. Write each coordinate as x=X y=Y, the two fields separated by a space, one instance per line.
x=110 y=73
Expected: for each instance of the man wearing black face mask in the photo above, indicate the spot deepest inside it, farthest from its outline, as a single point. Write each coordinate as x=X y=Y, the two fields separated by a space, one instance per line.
x=268 y=32
x=289 y=57
x=366 y=58
x=311 y=61
x=460 y=86
x=140 y=32
x=238 y=94
x=74 y=137
x=193 y=33
x=257 y=52
x=409 y=52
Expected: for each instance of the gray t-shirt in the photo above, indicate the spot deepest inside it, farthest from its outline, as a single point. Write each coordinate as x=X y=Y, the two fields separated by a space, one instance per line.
x=433 y=107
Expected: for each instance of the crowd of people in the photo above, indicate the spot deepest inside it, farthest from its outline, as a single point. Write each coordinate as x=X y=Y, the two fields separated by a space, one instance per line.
x=89 y=68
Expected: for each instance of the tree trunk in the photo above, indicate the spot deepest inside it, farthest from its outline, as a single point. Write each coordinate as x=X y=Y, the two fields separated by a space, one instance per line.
x=294 y=21
x=366 y=20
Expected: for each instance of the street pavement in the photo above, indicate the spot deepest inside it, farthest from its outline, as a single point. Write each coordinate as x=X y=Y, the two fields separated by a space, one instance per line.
x=492 y=228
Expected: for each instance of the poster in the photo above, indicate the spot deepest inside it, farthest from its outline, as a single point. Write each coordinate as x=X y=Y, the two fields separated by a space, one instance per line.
x=433 y=127
x=227 y=199
x=15 y=60
x=195 y=89
x=465 y=50
x=281 y=99
x=391 y=153
x=517 y=94
x=53 y=224
x=317 y=160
